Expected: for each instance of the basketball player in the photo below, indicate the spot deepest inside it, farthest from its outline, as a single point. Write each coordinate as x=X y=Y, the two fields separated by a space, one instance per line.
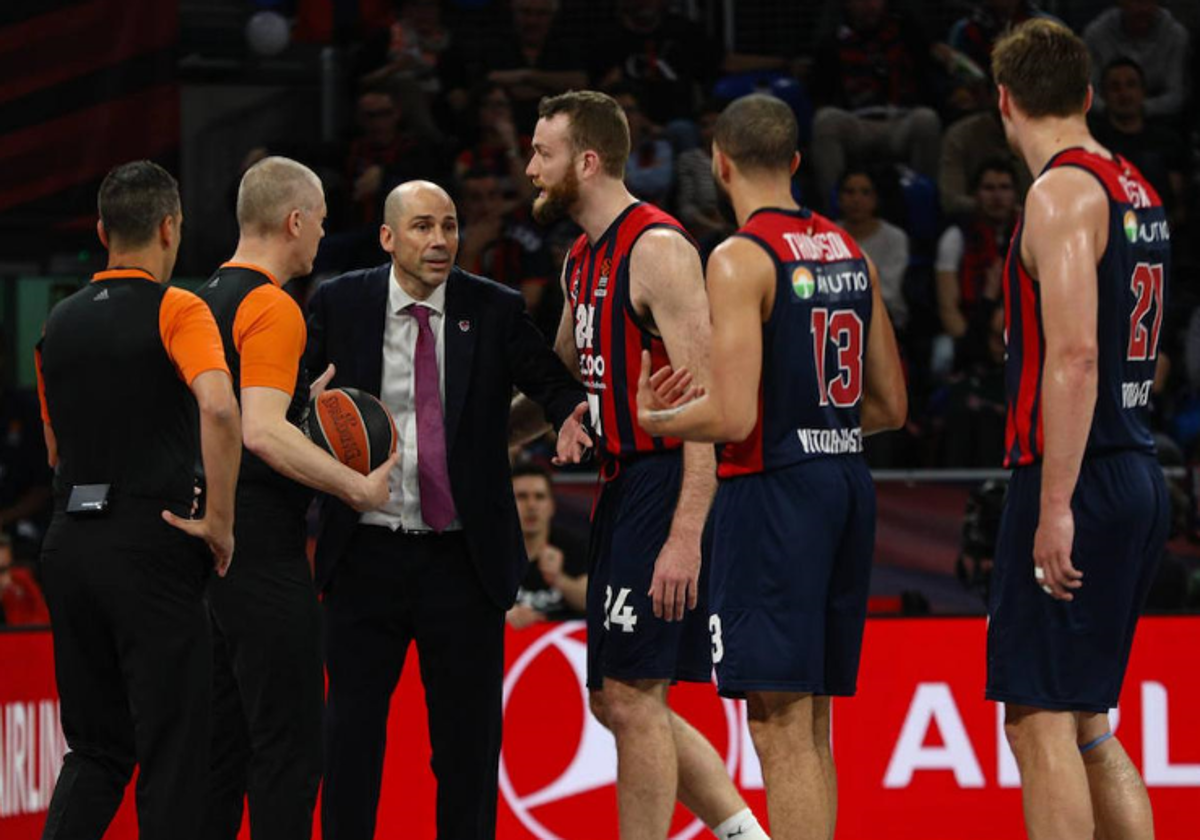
x=804 y=363
x=633 y=282
x=1086 y=516
x=268 y=680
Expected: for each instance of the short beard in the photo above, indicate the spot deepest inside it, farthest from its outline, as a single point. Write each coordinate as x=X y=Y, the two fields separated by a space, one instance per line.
x=558 y=200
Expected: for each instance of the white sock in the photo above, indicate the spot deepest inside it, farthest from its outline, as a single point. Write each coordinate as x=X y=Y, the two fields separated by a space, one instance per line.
x=741 y=826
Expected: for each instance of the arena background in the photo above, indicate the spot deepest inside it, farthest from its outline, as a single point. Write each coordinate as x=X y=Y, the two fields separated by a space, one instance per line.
x=201 y=85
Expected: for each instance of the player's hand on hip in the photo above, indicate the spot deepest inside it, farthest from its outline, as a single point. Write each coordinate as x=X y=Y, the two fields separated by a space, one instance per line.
x=573 y=440
x=676 y=582
x=374 y=489
x=661 y=390
x=218 y=536
x=1052 y=566
x=321 y=382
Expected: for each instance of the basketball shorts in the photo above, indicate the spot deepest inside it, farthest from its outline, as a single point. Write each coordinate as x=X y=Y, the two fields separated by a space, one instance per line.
x=630 y=524
x=791 y=563
x=1071 y=655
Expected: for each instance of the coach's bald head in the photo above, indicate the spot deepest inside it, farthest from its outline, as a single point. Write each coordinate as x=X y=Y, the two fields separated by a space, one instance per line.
x=420 y=231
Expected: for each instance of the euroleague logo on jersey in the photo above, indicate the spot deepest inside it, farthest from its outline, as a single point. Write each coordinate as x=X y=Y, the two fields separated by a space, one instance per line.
x=558 y=765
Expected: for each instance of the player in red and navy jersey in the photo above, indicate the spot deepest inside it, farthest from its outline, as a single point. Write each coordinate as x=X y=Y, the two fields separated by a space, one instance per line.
x=804 y=362
x=632 y=284
x=1086 y=516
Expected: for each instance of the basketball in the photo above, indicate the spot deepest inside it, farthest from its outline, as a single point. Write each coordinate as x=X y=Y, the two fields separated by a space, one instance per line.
x=352 y=426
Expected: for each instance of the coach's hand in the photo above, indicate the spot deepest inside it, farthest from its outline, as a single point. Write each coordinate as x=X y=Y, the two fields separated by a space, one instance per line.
x=218 y=536
x=1052 y=566
x=676 y=581
x=573 y=440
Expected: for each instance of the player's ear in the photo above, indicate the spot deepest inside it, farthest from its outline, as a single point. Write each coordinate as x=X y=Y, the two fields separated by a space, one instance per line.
x=1004 y=101
x=590 y=163
x=795 y=162
x=1087 y=100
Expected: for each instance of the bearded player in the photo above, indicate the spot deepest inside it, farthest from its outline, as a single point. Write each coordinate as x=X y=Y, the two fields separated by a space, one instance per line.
x=633 y=283
x=1086 y=517
x=804 y=363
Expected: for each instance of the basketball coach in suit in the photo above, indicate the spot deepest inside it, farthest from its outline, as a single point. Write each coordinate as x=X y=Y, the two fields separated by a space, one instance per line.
x=441 y=562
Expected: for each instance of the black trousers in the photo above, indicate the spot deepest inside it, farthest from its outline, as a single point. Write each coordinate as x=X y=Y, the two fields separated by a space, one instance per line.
x=133 y=665
x=268 y=684
x=389 y=590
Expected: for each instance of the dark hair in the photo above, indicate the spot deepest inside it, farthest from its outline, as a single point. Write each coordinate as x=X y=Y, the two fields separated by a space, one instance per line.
x=1045 y=68
x=758 y=133
x=1123 y=61
x=527 y=468
x=597 y=123
x=134 y=199
x=995 y=164
x=864 y=171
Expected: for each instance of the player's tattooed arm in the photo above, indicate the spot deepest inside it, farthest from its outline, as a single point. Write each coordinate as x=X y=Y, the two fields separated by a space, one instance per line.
x=885 y=396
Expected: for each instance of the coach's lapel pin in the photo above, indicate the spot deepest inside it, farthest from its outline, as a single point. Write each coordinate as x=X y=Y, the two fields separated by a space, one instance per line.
x=464 y=325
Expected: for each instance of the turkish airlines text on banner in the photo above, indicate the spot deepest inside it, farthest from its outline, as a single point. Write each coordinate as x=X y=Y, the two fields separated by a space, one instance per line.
x=920 y=753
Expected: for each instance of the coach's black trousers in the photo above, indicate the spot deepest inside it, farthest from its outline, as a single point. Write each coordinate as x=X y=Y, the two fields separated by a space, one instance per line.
x=133 y=664
x=391 y=589
x=268 y=686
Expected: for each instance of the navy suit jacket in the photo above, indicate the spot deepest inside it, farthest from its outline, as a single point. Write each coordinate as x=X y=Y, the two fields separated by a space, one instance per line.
x=491 y=346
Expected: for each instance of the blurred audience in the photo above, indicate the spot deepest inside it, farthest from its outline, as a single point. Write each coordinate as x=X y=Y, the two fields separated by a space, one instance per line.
x=555 y=586
x=966 y=146
x=1158 y=152
x=883 y=242
x=498 y=147
x=1151 y=36
x=696 y=198
x=21 y=600
x=650 y=172
x=874 y=82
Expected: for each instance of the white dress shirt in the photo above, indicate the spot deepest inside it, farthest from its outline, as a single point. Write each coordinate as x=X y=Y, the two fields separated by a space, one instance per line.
x=403 y=509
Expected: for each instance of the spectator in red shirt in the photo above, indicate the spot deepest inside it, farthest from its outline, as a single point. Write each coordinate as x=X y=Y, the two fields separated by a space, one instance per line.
x=21 y=600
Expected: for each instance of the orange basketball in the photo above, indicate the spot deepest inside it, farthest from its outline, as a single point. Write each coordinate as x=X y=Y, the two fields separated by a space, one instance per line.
x=352 y=426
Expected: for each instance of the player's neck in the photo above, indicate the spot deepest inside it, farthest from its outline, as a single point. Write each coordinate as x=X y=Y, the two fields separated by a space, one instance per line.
x=150 y=260
x=263 y=254
x=597 y=213
x=1052 y=135
x=750 y=197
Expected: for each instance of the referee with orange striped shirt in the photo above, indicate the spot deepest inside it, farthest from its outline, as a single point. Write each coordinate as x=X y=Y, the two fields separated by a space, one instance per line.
x=122 y=367
x=268 y=679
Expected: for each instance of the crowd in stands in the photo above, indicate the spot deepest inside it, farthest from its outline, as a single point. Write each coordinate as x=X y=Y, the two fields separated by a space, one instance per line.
x=902 y=143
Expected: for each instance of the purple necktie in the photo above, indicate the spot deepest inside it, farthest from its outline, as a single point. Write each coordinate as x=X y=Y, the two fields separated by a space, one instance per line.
x=437 y=505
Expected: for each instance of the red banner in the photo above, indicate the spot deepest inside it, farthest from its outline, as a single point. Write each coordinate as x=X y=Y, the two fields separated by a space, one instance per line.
x=920 y=753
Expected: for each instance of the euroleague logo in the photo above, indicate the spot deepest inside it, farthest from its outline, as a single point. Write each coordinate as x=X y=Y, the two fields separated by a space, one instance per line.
x=558 y=765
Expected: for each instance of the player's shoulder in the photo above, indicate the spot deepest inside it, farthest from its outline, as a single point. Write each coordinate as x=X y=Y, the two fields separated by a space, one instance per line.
x=1065 y=190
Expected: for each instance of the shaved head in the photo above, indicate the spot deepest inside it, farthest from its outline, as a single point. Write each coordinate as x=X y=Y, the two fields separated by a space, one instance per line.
x=403 y=195
x=271 y=189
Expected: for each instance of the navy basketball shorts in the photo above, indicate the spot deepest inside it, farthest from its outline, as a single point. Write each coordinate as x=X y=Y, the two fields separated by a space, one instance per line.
x=631 y=522
x=790 y=571
x=1071 y=655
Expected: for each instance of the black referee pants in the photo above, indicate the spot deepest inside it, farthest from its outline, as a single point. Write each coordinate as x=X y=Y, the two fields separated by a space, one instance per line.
x=268 y=683
x=133 y=665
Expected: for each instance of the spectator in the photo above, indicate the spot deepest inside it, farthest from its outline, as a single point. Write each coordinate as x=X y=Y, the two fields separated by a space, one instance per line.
x=1158 y=153
x=24 y=475
x=1151 y=36
x=664 y=57
x=498 y=147
x=966 y=146
x=385 y=154
x=874 y=86
x=970 y=254
x=493 y=245
x=536 y=57
x=974 y=35
x=409 y=49
x=650 y=173
x=697 y=201
x=884 y=243
x=21 y=600
x=975 y=410
x=555 y=587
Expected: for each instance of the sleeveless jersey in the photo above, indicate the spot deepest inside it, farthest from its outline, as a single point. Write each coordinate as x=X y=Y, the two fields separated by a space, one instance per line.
x=609 y=335
x=1131 y=296
x=811 y=388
